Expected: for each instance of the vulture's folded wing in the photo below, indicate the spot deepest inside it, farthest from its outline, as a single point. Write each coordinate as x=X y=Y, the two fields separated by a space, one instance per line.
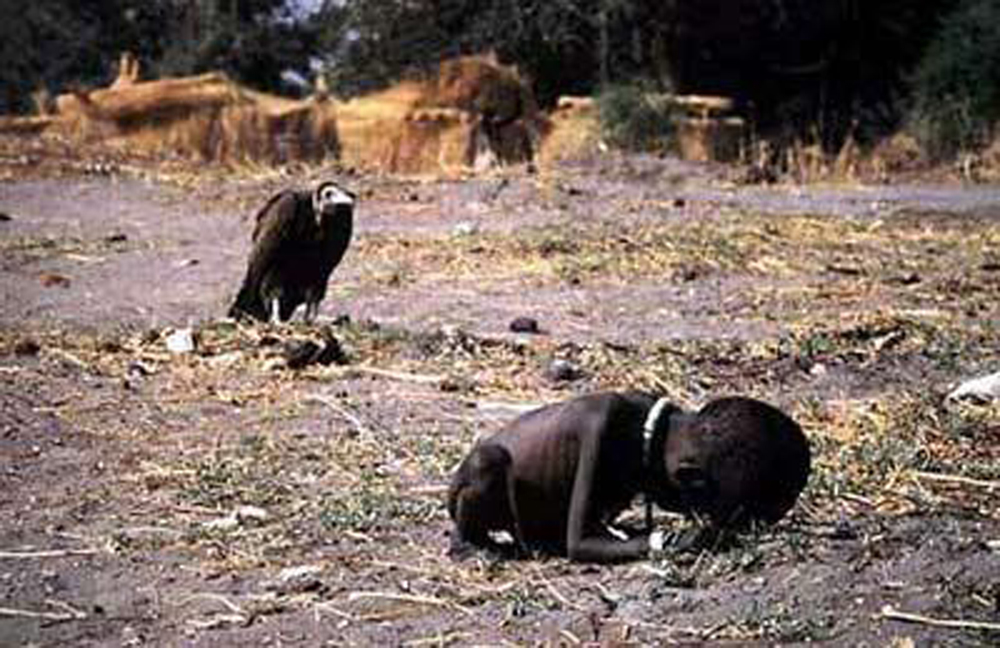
x=280 y=227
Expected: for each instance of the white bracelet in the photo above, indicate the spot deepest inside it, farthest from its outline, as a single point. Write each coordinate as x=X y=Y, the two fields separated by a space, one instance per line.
x=656 y=539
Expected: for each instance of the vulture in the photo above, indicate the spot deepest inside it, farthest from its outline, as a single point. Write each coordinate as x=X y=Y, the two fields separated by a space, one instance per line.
x=298 y=239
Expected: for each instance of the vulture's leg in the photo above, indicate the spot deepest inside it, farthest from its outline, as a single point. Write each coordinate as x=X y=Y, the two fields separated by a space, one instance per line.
x=310 y=315
x=275 y=311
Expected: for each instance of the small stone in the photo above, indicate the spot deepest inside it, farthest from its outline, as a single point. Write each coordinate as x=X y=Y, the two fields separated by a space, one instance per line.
x=907 y=279
x=268 y=339
x=138 y=369
x=273 y=364
x=246 y=514
x=524 y=325
x=226 y=359
x=300 y=353
x=227 y=523
x=27 y=347
x=453 y=384
x=844 y=530
x=295 y=580
x=53 y=280
x=688 y=273
x=561 y=370
x=109 y=345
x=332 y=352
x=818 y=370
x=465 y=228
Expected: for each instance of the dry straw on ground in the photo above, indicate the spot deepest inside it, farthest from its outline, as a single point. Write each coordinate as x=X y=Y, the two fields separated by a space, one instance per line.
x=573 y=132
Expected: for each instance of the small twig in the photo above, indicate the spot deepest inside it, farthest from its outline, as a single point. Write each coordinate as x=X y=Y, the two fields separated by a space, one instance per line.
x=426 y=379
x=327 y=607
x=56 y=553
x=888 y=612
x=232 y=607
x=432 y=489
x=515 y=408
x=361 y=428
x=195 y=510
x=606 y=594
x=414 y=569
x=494 y=591
x=217 y=621
x=72 y=614
x=957 y=479
x=83 y=258
x=68 y=357
x=154 y=469
x=860 y=499
x=75 y=612
x=436 y=640
x=150 y=530
x=703 y=633
x=357 y=535
x=406 y=598
x=30 y=614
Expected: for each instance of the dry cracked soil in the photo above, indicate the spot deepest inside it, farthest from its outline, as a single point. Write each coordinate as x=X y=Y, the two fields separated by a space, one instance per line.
x=217 y=497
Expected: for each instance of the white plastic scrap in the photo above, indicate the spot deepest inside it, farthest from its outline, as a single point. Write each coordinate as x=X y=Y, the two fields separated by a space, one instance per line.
x=984 y=388
x=181 y=341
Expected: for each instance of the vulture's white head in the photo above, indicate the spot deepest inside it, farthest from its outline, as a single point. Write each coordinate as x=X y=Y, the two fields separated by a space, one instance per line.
x=329 y=199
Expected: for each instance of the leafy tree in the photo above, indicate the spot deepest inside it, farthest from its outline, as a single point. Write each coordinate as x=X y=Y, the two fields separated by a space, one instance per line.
x=59 y=42
x=253 y=41
x=565 y=47
x=957 y=85
x=800 y=66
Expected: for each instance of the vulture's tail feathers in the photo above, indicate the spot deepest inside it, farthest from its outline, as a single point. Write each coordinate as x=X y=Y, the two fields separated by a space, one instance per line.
x=248 y=304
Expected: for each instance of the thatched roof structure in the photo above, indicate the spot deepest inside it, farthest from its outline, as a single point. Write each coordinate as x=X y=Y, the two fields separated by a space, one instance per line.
x=472 y=112
x=208 y=116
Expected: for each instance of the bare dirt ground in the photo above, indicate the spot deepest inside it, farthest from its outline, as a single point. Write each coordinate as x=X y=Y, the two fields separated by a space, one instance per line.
x=220 y=498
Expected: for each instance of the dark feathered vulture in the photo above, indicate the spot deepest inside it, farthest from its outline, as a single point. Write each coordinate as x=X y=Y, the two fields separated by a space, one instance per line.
x=298 y=240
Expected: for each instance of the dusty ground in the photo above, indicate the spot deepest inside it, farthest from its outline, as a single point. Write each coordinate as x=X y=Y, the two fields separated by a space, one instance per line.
x=218 y=498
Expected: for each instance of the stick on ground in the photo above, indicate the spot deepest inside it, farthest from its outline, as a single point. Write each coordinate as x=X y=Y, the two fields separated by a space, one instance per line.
x=888 y=612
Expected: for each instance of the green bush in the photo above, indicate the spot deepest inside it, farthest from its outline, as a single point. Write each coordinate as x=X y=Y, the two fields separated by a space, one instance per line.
x=631 y=121
x=956 y=87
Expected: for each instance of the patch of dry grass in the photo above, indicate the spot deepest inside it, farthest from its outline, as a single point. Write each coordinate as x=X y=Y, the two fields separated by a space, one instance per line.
x=349 y=464
x=356 y=463
x=874 y=451
x=825 y=260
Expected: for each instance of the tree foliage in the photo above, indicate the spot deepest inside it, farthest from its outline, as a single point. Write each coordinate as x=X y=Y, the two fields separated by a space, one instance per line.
x=565 y=47
x=956 y=88
x=826 y=66
x=253 y=41
x=820 y=69
x=57 y=44
x=631 y=121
